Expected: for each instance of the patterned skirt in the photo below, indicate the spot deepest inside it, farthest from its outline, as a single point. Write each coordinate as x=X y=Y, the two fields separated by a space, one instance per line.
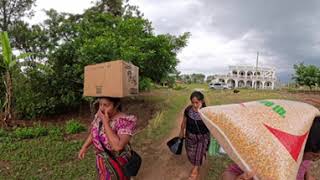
x=108 y=169
x=196 y=147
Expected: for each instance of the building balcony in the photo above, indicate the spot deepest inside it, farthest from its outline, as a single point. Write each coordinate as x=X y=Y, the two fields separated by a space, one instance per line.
x=253 y=78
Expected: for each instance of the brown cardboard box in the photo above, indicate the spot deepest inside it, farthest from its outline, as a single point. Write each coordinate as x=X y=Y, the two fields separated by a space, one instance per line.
x=112 y=79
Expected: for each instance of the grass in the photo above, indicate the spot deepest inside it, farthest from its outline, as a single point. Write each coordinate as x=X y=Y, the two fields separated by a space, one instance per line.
x=56 y=133
x=52 y=157
x=3 y=133
x=40 y=152
x=74 y=127
x=172 y=102
x=42 y=158
x=219 y=97
x=217 y=164
x=30 y=132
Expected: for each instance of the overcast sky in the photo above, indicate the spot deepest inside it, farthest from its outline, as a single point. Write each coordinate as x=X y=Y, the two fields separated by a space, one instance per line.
x=229 y=32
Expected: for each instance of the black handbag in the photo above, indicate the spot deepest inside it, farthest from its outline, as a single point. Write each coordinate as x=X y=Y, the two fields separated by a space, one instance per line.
x=133 y=165
x=131 y=168
x=175 y=145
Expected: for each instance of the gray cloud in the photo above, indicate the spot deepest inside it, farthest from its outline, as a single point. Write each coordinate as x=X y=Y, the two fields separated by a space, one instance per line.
x=229 y=32
x=285 y=32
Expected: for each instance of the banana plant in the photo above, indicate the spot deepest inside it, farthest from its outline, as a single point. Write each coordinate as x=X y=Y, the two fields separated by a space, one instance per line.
x=8 y=64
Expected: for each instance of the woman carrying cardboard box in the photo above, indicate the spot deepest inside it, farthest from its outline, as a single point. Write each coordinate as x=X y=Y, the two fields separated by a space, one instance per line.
x=111 y=131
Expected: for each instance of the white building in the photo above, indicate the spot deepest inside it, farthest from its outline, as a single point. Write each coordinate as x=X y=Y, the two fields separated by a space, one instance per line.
x=249 y=76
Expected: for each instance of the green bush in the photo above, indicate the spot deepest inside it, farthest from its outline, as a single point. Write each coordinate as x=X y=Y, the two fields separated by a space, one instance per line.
x=6 y=140
x=1 y=104
x=3 y=133
x=171 y=82
x=145 y=84
x=2 y=92
x=33 y=98
x=56 y=133
x=40 y=131
x=5 y=136
x=35 y=132
x=30 y=132
x=23 y=133
x=178 y=87
x=74 y=127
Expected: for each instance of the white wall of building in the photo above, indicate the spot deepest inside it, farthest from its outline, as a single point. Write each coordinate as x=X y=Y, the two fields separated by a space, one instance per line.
x=249 y=77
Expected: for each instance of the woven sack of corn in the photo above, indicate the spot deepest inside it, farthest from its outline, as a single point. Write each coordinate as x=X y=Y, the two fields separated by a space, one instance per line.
x=267 y=136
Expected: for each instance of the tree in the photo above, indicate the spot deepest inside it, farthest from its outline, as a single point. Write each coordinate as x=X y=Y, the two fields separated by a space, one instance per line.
x=32 y=39
x=117 y=8
x=69 y=42
x=178 y=75
x=210 y=78
x=11 y=11
x=198 y=78
x=9 y=63
x=306 y=75
x=2 y=87
x=186 y=78
x=101 y=37
x=114 y=7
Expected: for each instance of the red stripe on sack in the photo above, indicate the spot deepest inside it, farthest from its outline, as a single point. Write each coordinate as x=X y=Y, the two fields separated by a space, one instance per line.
x=291 y=142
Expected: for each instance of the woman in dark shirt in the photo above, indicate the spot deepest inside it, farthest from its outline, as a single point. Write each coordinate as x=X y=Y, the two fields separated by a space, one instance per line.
x=196 y=133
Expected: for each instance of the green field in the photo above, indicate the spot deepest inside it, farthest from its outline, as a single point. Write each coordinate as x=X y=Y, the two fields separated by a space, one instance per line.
x=53 y=155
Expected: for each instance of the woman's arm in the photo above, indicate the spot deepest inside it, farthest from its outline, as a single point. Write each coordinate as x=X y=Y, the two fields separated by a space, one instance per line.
x=88 y=141
x=85 y=147
x=183 y=127
x=117 y=142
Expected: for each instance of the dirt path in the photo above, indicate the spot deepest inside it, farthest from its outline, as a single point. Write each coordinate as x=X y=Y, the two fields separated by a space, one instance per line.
x=160 y=164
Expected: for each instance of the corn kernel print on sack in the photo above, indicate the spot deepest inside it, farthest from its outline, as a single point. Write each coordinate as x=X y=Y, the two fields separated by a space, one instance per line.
x=267 y=137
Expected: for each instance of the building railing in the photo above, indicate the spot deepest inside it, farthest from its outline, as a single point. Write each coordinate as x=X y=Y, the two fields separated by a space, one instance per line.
x=245 y=77
x=251 y=68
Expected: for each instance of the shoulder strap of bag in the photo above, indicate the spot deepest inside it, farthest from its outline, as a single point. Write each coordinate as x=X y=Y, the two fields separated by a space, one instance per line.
x=188 y=109
x=103 y=147
x=108 y=151
x=197 y=126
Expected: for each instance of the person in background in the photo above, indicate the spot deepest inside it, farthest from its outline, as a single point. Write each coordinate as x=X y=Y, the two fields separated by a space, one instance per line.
x=196 y=133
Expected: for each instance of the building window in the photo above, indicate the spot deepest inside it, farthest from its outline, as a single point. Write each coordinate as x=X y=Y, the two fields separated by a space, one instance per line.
x=234 y=72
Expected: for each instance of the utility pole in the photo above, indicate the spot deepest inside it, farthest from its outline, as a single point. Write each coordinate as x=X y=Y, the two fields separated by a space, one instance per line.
x=257 y=63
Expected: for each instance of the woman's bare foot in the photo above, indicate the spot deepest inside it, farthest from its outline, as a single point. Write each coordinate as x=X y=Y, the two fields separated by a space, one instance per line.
x=194 y=174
